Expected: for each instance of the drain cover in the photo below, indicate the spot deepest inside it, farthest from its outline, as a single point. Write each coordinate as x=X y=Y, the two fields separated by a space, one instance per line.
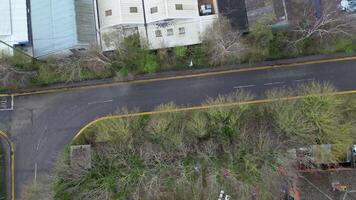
x=6 y=103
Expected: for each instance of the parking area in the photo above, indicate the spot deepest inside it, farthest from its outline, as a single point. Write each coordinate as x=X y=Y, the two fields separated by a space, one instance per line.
x=6 y=103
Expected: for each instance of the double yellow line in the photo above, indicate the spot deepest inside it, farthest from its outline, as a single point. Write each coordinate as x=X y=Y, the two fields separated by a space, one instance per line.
x=203 y=74
x=12 y=163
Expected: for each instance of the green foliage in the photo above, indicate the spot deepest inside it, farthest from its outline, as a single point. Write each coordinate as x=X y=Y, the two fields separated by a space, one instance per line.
x=130 y=55
x=46 y=75
x=180 y=52
x=313 y=120
x=199 y=55
x=151 y=64
x=345 y=45
x=260 y=38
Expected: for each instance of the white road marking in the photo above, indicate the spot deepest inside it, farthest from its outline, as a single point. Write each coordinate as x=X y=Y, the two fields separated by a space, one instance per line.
x=12 y=102
x=274 y=83
x=244 y=86
x=40 y=140
x=97 y=102
x=35 y=173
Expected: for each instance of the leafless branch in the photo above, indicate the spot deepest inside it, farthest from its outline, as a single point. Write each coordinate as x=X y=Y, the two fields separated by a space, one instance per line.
x=332 y=22
x=224 y=43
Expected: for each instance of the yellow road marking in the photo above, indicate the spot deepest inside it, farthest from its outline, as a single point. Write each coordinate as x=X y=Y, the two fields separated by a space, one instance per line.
x=12 y=163
x=204 y=107
x=268 y=67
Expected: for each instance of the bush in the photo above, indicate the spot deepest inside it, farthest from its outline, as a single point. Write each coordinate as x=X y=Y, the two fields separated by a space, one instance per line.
x=311 y=120
x=198 y=54
x=151 y=64
x=46 y=75
x=180 y=57
x=260 y=39
x=345 y=45
x=180 y=52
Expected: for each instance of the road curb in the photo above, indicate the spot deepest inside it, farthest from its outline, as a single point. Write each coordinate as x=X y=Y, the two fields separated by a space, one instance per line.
x=176 y=74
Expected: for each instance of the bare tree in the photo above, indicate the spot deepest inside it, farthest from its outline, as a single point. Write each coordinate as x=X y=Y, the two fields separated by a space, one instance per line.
x=223 y=43
x=71 y=67
x=331 y=22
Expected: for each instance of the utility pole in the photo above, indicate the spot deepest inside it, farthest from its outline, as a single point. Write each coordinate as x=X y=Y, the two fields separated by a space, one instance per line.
x=144 y=18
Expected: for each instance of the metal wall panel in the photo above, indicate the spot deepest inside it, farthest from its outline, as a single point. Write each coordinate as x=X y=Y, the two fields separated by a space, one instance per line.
x=53 y=26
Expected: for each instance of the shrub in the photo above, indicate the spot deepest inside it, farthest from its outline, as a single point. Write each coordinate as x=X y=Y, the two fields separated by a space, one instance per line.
x=198 y=54
x=260 y=38
x=151 y=64
x=345 y=45
x=180 y=52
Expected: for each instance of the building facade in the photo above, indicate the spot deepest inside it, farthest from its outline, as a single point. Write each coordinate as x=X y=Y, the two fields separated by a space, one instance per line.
x=60 y=26
x=161 y=23
x=49 y=27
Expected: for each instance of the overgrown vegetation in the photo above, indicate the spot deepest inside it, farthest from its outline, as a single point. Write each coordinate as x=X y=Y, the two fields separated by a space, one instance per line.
x=20 y=71
x=194 y=155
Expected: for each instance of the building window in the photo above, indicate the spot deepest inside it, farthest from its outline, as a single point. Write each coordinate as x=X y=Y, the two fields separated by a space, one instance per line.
x=133 y=9
x=170 y=32
x=108 y=13
x=181 y=31
x=179 y=6
x=154 y=9
x=158 y=33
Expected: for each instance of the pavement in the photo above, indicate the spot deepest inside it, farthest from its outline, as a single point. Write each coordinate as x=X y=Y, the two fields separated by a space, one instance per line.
x=42 y=124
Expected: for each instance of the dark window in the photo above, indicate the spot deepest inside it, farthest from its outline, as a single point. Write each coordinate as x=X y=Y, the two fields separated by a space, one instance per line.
x=169 y=32
x=181 y=31
x=133 y=9
x=158 y=33
x=154 y=9
x=108 y=12
x=179 y=6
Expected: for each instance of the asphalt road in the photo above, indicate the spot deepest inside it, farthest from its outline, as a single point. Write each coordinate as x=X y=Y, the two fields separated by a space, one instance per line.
x=42 y=125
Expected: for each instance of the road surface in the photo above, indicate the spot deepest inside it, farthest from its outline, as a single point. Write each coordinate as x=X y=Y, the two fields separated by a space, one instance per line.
x=42 y=125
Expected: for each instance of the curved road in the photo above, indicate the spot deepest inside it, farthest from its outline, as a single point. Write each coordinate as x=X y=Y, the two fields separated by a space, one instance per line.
x=41 y=125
